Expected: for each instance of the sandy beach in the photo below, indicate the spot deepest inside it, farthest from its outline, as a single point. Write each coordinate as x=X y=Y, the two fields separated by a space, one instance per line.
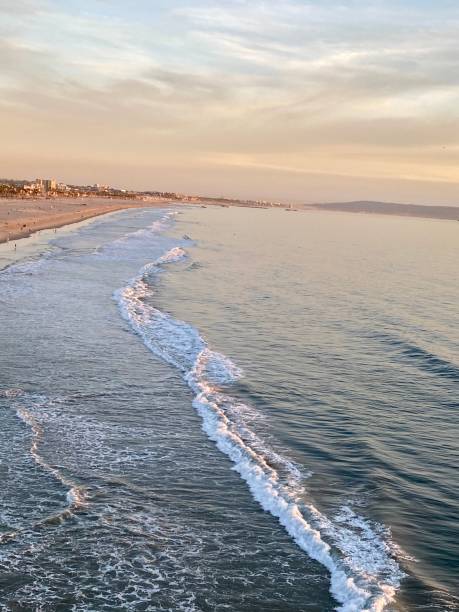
x=21 y=218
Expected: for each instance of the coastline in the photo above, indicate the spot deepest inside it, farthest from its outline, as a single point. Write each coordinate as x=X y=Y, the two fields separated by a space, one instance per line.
x=388 y=209
x=22 y=218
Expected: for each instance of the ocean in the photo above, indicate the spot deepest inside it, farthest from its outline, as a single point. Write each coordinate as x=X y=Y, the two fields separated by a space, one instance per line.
x=230 y=409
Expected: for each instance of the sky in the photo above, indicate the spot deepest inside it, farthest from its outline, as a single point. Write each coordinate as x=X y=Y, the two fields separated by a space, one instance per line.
x=291 y=100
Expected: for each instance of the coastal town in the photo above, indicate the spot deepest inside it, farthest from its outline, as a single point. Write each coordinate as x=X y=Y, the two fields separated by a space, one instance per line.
x=29 y=206
x=52 y=189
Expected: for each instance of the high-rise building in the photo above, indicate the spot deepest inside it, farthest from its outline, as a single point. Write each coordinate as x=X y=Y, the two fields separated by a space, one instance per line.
x=49 y=185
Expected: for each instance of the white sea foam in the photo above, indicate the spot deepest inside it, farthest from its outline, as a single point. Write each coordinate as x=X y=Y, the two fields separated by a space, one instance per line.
x=11 y=393
x=117 y=248
x=364 y=575
x=175 y=254
x=14 y=278
x=75 y=496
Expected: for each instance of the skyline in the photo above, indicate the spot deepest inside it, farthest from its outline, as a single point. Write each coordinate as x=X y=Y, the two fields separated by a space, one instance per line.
x=297 y=101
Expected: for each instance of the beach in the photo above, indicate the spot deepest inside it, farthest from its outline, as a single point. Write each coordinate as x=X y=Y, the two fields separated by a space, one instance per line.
x=20 y=218
x=208 y=425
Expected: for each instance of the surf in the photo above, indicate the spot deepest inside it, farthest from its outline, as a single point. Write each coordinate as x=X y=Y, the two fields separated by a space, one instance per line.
x=28 y=407
x=364 y=575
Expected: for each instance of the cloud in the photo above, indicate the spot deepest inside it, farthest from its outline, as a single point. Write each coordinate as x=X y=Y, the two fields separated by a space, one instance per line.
x=350 y=86
x=20 y=7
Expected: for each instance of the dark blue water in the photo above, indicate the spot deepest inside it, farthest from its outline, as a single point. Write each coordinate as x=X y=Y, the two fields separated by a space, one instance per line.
x=261 y=418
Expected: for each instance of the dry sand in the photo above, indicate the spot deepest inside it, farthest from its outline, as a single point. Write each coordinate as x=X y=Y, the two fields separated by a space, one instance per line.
x=20 y=218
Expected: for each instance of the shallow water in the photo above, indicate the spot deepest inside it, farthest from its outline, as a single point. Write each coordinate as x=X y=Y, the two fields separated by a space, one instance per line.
x=321 y=355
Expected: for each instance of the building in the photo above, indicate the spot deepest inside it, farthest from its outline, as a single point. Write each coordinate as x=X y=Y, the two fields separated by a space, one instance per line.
x=50 y=185
x=46 y=185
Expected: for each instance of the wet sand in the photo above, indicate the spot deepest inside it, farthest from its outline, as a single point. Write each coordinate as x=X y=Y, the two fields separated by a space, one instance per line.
x=21 y=218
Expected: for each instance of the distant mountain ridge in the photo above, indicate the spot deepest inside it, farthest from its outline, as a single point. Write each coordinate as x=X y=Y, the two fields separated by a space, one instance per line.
x=389 y=208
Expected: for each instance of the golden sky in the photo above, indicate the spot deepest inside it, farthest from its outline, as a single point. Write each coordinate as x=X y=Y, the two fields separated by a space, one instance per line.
x=282 y=99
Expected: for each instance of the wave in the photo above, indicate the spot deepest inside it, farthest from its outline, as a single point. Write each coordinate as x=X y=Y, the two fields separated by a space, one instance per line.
x=364 y=574
x=26 y=405
x=117 y=249
x=157 y=226
x=14 y=277
x=421 y=357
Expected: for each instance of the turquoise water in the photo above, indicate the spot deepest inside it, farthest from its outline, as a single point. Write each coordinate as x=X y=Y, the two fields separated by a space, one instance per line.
x=261 y=417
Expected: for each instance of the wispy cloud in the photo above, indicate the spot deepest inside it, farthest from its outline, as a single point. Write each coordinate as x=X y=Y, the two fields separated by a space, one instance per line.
x=341 y=86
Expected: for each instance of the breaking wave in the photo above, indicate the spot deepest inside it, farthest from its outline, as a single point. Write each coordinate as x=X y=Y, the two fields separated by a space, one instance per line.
x=358 y=555
x=27 y=409
x=130 y=242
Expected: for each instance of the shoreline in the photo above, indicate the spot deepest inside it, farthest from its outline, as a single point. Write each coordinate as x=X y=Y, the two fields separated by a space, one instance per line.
x=21 y=219
x=387 y=209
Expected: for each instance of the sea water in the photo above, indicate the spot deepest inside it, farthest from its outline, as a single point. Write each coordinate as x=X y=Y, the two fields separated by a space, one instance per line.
x=231 y=409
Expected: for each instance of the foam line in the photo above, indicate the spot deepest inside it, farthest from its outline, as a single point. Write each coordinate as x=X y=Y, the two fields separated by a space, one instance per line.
x=76 y=495
x=363 y=575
